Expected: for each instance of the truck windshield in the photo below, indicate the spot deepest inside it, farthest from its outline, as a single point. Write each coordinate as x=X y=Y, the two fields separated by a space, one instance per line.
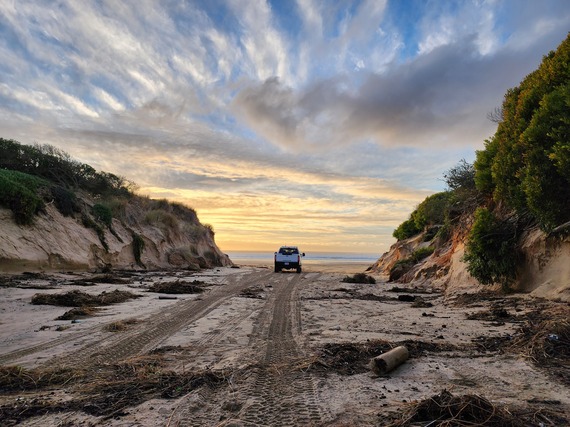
x=288 y=251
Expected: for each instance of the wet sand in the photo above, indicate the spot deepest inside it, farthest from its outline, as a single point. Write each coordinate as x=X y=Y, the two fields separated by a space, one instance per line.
x=312 y=266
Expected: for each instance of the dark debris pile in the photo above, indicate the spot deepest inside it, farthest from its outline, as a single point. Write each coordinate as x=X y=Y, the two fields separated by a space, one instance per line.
x=545 y=339
x=82 y=299
x=178 y=287
x=108 y=392
x=354 y=358
x=446 y=410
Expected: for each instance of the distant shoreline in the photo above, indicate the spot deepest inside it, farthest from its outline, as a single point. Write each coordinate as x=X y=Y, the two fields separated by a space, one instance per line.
x=324 y=262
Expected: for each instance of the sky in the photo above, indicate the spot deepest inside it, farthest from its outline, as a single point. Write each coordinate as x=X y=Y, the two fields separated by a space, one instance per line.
x=318 y=123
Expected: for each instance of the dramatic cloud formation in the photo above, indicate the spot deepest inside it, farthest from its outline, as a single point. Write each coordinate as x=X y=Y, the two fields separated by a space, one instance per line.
x=311 y=122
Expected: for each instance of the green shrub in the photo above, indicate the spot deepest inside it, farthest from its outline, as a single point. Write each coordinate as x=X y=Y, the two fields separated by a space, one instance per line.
x=19 y=192
x=400 y=268
x=184 y=212
x=444 y=233
x=103 y=214
x=406 y=230
x=483 y=163
x=431 y=233
x=461 y=177
x=161 y=204
x=57 y=166
x=64 y=200
x=33 y=183
x=421 y=253
x=491 y=249
x=525 y=165
x=25 y=205
x=407 y=262
x=546 y=185
x=432 y=211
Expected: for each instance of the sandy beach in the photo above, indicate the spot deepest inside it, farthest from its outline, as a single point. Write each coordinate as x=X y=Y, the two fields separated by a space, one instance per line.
x=312 y=266
x=261 y=348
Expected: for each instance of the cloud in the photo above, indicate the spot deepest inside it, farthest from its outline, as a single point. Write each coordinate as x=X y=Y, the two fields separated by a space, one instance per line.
x=438 y=98
x=311 y=16
x=340 y=126
x=264 y=47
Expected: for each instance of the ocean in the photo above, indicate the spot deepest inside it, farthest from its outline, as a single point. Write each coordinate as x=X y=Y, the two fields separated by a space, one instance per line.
x=326 y=259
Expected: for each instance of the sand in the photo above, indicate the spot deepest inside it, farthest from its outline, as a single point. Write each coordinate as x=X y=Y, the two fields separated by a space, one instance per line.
x=314 y=266
x=272 y=338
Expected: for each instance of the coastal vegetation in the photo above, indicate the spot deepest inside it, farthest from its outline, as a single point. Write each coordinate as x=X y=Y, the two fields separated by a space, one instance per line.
x=21 y=193
x=32 y=177
x=520 y=180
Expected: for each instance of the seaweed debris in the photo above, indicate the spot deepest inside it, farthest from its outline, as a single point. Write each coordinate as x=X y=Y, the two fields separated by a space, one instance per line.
x=446 y=410
x=545 y=340
x=178 y=287
x=354 y=358
x=82 y=299
x=77 y=313
x=106 y=393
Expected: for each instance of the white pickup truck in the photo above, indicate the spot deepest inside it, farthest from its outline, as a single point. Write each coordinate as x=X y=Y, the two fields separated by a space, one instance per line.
x=288 y=257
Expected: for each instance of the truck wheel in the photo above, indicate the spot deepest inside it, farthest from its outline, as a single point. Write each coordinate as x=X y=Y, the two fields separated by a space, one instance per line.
x=298 y=269
x=277 y=269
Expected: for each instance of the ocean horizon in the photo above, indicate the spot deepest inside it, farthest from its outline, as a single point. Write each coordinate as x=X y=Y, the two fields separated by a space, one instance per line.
x=265 y=257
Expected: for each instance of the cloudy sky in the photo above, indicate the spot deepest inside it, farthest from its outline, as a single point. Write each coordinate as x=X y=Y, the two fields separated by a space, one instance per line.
x=313 y=122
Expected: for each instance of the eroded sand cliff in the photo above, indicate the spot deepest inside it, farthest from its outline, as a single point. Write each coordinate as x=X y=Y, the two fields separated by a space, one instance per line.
x=170 y=239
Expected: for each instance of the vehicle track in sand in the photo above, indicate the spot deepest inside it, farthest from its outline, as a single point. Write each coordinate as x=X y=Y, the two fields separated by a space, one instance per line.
x=282 y=395
x=143 y=336
x=265 y=361
x=159 y=327
x=272 y=392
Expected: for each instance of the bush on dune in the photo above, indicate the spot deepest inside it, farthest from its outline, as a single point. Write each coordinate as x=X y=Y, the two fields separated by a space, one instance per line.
x=18 y=191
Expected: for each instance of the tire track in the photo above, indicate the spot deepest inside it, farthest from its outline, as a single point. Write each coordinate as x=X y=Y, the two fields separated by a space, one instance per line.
x=101 y=347
x=269 y=393
x=38 y=348
x=222 y=331
x=163 y=325
x=279 y=395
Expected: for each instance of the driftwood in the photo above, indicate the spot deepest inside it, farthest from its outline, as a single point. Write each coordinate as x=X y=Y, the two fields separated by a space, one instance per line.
x=390 y=360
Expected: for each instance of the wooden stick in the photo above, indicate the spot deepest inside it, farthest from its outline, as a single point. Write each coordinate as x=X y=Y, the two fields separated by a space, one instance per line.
x=390 y=360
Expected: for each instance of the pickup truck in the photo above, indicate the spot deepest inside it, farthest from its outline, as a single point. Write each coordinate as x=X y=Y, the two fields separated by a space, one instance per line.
x=288 y=257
